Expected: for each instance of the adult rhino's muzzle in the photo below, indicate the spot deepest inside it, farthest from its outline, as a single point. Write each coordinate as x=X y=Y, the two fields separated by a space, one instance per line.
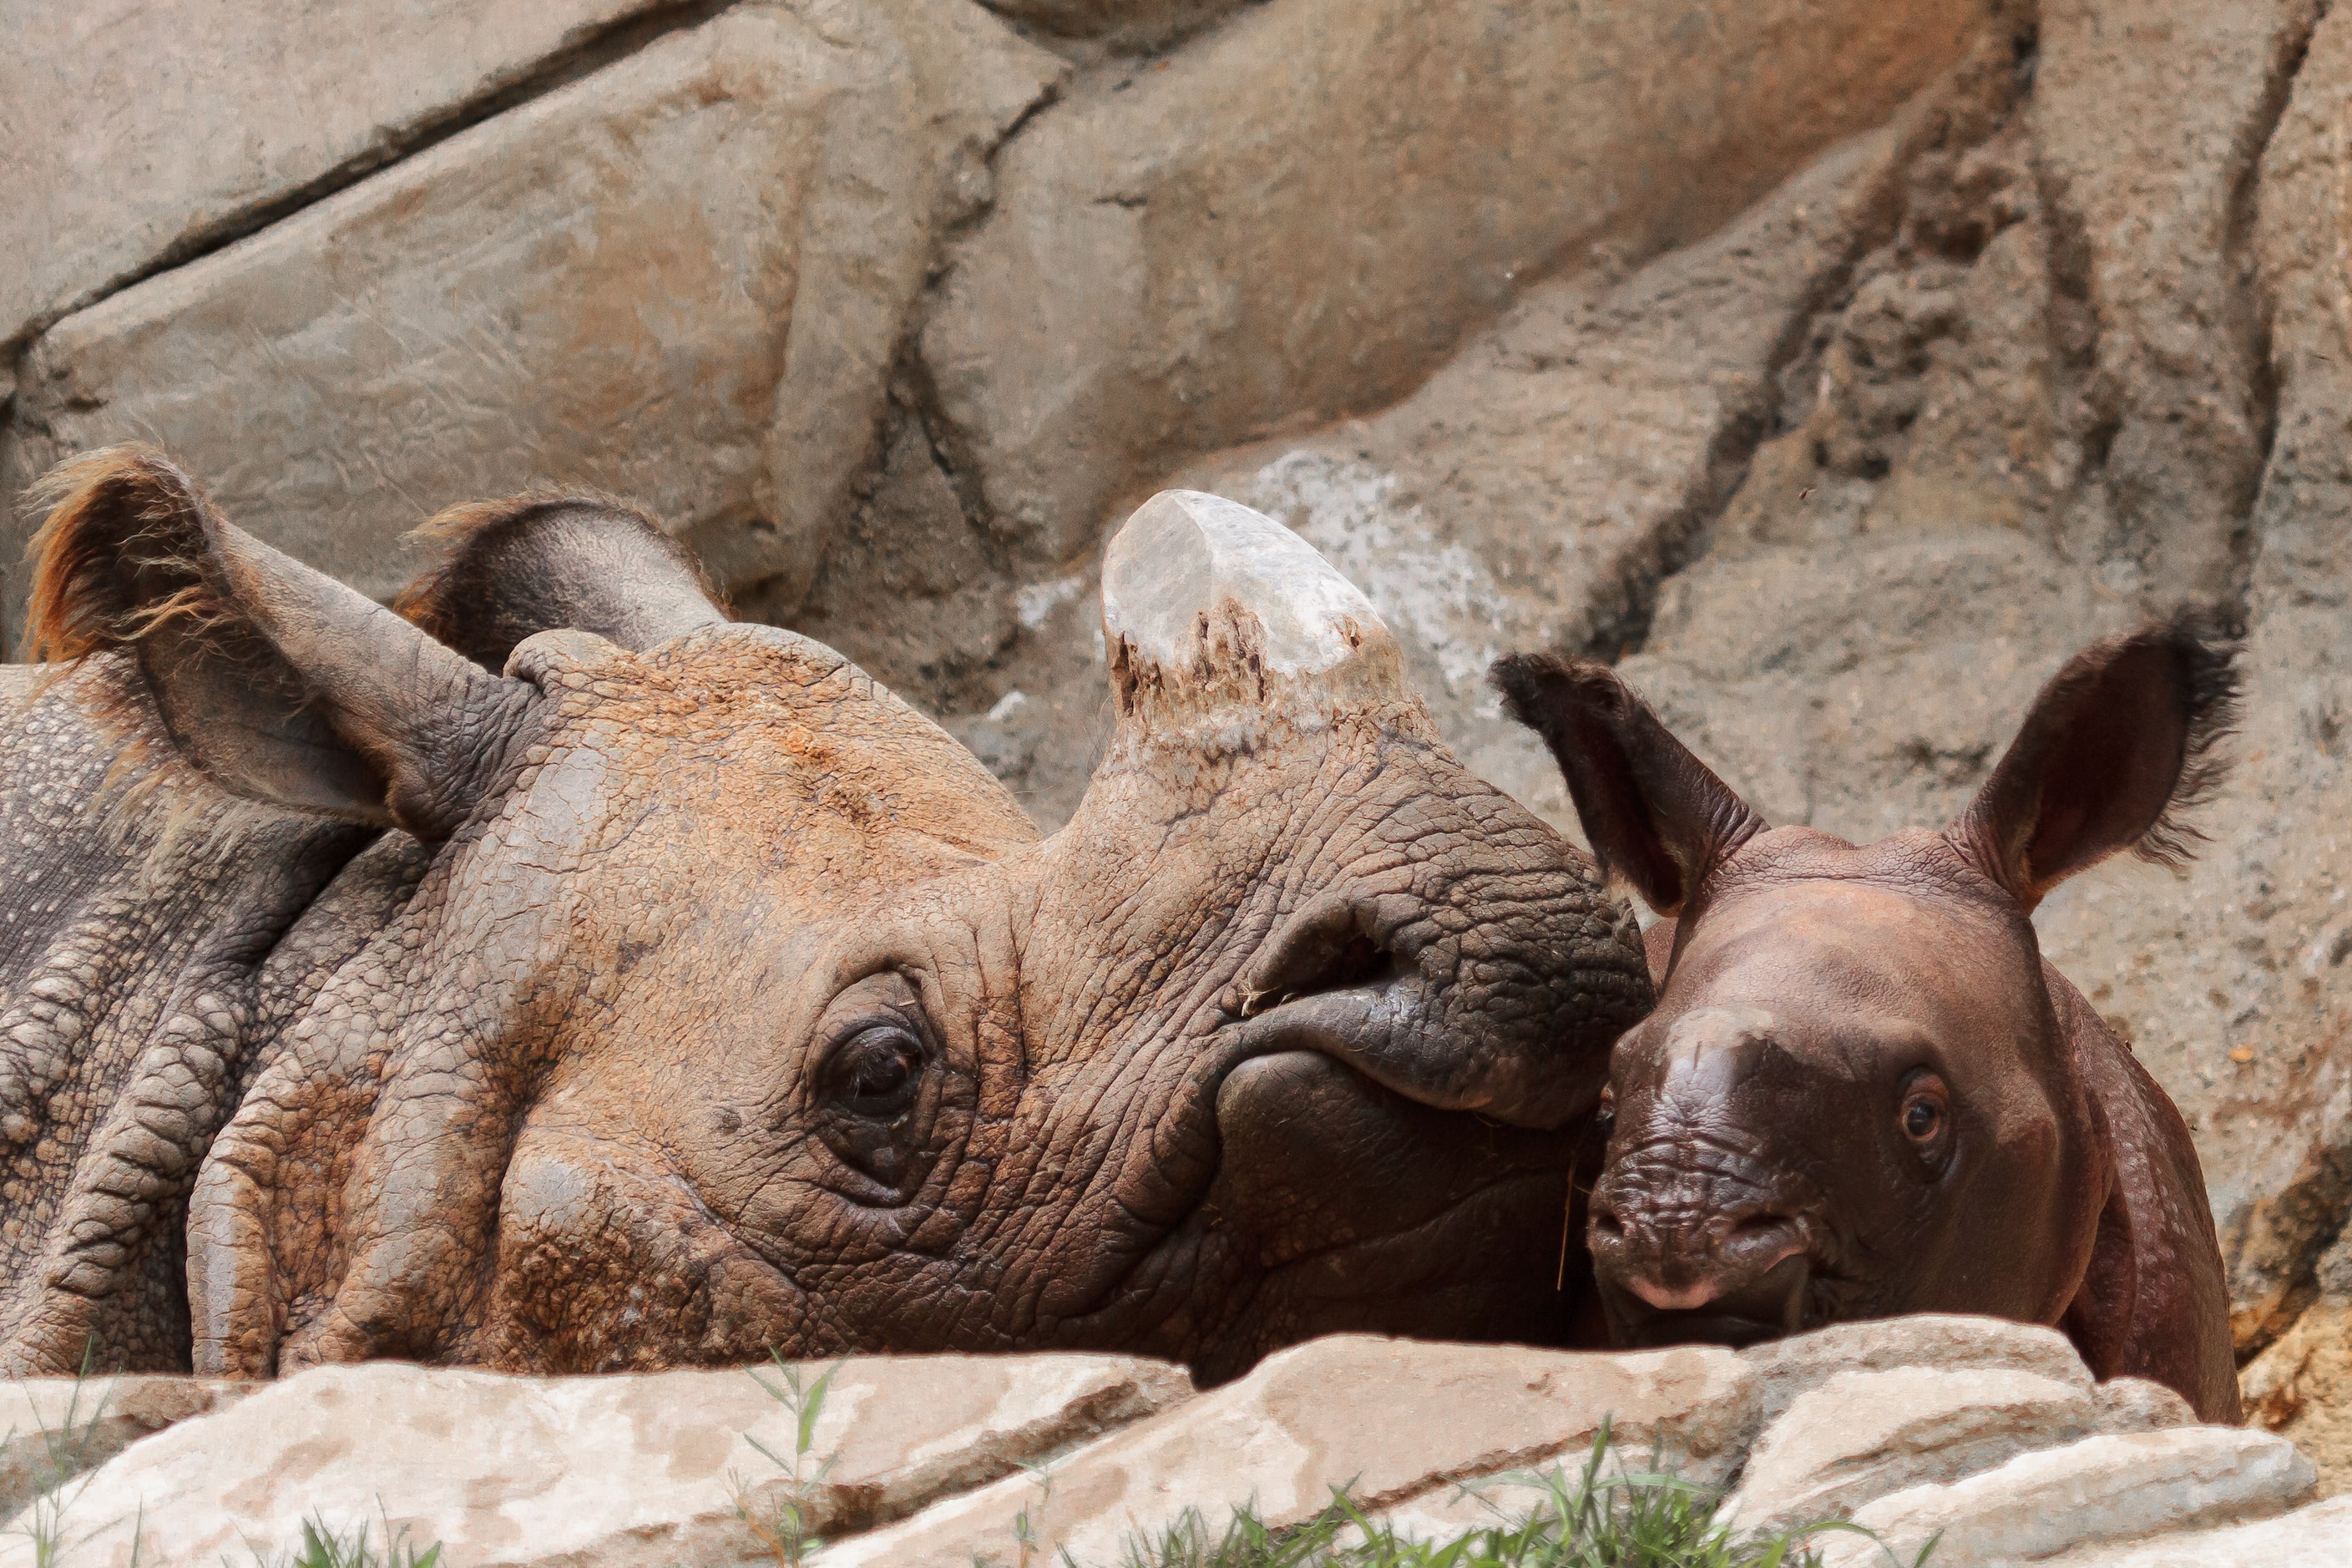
x=1387 y=1106
x=1371 y=1211
x=1344 y=977
x=1404 y=1128
x=1397 y=1155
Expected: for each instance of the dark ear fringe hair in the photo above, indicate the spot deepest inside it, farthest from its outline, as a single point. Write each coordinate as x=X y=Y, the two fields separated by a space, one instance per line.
x=2207 y=641
x=449 y=596
x=1526 y=681
x=124 y=552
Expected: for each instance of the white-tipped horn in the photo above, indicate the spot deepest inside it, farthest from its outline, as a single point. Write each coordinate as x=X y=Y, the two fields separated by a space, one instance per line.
x=1209 y=606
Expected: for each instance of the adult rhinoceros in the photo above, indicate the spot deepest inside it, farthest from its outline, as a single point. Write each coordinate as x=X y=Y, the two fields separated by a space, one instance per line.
x=679 y=993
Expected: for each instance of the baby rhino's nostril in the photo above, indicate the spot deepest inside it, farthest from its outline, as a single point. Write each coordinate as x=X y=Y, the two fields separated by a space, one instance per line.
x=1757 y=1242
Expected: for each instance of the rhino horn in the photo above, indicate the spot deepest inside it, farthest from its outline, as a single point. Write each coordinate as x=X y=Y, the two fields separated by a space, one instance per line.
x=1224 y=628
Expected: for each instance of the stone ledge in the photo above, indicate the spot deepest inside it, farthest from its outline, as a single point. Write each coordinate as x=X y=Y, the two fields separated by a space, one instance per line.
x=1991 y=1433
x=618 y=1472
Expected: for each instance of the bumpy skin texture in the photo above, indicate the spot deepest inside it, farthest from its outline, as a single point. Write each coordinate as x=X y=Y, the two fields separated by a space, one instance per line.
x=718 y=1001
x=142 y=906
x=1862 y=1091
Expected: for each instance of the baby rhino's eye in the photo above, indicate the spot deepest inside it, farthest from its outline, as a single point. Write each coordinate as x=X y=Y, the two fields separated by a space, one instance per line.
x=1926 y=1105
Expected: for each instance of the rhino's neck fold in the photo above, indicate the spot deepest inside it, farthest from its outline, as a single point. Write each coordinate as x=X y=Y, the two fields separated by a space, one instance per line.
x=142 y=907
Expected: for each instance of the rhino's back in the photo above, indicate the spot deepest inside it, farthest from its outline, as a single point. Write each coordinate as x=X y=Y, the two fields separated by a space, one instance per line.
x=137 y=903
x=16 y=681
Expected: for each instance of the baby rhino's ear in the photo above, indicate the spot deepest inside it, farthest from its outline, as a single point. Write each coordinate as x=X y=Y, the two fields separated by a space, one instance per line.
x=1654 y=813
x=278 y=683
x=2118 y=746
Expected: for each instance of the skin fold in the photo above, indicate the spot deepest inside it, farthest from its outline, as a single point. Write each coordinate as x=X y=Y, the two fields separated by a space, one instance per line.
x=1862 y=1091
x=563 y=978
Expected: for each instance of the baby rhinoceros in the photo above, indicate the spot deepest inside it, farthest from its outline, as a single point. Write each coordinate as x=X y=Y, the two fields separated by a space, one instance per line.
x=566 y=978
x=1864 y=1092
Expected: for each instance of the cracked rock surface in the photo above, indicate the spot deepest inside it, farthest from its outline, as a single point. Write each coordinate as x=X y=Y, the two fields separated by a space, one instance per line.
x=680 y=277
x=178 y=161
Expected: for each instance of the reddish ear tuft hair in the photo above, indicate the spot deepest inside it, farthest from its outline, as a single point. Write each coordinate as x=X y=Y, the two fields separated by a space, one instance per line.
x=121 y=553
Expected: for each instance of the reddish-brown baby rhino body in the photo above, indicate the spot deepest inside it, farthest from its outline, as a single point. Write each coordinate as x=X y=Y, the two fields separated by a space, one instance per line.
x=1862 y=1091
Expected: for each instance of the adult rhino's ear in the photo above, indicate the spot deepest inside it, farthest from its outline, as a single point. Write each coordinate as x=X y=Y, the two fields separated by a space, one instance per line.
x=1225 y=629
x=1654 y=814
x=281 y=684
x=2119 y=745
x=550 y=559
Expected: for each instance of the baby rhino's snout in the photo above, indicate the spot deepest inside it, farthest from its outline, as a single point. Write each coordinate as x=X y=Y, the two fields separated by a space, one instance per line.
x=1692 y=1236
x=1727 y=1261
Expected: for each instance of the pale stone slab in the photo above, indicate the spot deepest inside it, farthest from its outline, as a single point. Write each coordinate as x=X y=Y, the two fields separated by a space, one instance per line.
x=1788 y=1369
x=2319 y=1536
x=1395 y=1418
x=2136 y=1404
x=681 y=277
x=2101 y=1489
x=1862 y=1435
x=1900 y=1406
x=623 y=1472
x=57 y=1427
x=135 y=130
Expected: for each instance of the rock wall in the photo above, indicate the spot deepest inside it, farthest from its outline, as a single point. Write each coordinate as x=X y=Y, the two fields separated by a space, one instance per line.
x=828 y=280
x=1835 y=366
x=680 y=277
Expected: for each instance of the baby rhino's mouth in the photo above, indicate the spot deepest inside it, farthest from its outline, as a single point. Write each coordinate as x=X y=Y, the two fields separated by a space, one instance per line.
x=1767 y=1306
x=1689 y=1254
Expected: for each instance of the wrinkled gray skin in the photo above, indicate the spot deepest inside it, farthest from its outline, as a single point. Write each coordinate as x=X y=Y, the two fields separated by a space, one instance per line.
x=677 y=993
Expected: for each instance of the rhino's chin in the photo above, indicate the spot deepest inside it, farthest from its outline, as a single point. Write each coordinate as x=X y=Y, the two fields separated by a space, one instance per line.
x=1361 y=1210
x=1767 y=1308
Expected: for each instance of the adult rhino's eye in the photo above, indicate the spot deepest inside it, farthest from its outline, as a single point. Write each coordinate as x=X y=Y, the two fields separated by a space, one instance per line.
x=1606 y=1113
x=877 y=1072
